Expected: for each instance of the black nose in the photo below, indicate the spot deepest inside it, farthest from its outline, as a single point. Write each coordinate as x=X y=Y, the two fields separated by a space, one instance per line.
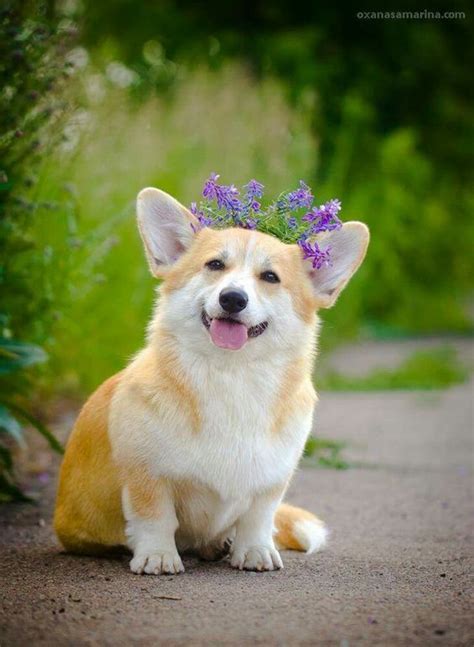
x=233 y=300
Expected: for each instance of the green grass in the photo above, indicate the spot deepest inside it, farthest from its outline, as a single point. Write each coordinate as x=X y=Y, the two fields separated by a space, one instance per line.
x=324 y=453
x=436 y=369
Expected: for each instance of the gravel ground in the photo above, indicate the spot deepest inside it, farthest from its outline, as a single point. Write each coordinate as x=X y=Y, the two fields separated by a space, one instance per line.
x=396 y=571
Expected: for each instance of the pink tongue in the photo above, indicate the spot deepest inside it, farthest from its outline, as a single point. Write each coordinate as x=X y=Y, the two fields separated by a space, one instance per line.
x=228 y=335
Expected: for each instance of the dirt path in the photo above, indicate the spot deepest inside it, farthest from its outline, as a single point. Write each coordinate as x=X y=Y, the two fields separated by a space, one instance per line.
x=395 y=572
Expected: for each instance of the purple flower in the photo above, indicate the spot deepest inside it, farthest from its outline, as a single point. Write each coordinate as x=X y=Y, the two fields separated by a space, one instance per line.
x=319 y=257
x=302 y=197
x=250 y=223
x=223 y=195
x=210 y=186
x=223 y=206
x=254 y=189
x=194 y=209
x=227 y=197
x=233 y=198
x=292 y=223
x=334 y=206
x=324 y=218
x=254 y=205
x=203 y=220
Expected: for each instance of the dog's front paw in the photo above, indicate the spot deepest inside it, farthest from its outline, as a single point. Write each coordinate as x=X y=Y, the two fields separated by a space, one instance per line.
x=256 y=558
x=157 y=563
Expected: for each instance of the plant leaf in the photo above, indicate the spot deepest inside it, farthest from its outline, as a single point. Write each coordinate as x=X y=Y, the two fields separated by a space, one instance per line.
x=15 y=355
x=38 y=425
x=10 y=425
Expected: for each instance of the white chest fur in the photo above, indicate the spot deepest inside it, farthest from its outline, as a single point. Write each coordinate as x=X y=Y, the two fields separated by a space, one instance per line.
x=235 y=452
x=234 y=455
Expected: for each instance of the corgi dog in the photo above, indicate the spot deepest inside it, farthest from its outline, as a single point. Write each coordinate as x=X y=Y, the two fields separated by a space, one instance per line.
x=192 y=446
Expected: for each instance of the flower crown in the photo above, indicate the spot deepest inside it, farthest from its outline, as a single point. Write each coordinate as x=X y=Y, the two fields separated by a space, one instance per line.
x=291 y=217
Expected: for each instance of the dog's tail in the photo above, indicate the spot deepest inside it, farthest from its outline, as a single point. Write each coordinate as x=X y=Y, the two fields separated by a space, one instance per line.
x=297 y=529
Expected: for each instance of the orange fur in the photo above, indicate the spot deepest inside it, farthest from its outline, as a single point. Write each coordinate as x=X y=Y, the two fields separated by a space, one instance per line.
x=88 y=514
x=285 y=519
x=296 y=281
x=164 y=377
x=144 y=491
x=294 y=394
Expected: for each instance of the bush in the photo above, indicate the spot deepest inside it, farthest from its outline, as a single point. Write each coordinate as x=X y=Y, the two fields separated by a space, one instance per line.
x=417 y=274
x=32 y=72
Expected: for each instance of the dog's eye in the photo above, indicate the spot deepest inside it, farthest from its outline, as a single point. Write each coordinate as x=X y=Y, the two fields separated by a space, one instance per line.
x=215 y=265
x=270 y=277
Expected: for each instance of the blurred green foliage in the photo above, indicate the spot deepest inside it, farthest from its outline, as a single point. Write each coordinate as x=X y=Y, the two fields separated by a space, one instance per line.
x=32 y=103
x=409 y=74
x=32 y=70
x=320 y=452
x=436 y=369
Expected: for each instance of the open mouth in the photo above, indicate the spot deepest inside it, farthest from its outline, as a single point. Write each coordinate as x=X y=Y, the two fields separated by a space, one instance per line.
x=229 y=333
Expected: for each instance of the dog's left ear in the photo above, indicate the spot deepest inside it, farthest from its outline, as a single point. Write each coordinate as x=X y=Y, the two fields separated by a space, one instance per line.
x=348 y=246
x=166 y=228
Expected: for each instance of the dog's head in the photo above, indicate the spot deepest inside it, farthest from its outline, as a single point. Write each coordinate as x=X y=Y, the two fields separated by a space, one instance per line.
x=235 y=289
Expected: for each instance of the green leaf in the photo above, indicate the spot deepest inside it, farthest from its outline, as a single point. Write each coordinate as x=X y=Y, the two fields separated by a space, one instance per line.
x=11 y=492
x=10 y=425
x=15 y=355
x=38 y=425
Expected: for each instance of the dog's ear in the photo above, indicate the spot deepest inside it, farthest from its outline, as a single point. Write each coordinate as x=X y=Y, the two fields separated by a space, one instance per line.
x=348 y=246
x=166 y=228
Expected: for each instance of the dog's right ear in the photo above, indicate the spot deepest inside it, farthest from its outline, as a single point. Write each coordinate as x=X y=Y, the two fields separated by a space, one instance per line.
x=166 y=227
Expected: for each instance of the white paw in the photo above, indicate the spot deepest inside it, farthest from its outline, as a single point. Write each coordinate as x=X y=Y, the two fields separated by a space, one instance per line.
x=157 y=563
x=256 y=558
